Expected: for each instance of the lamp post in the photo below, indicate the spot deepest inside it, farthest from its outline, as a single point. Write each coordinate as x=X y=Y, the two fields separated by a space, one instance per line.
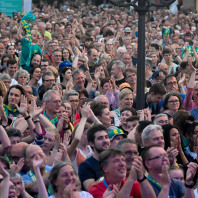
x=141 y=6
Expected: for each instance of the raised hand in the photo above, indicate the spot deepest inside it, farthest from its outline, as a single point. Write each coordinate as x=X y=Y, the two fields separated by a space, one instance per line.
x=32 y=106
x=111 y=191
x=1 y=101
x=23 y=106
x=166 y=181
x=17 y=167
x=138 y=166
x=141 y=114
x=147 y=114
x=192 y=68
x=37 y=112
x=85 y=110
x=69 y=85
x=172 y=154
x=68 y=191
x=63 y=122
x=3 y=172
x=57 y=141
x=191 y=172
x=2 y=114
x=37 y=163
x=194 y=44
x=97 y=74
x=181 y=81
x=88 y=77
x=66 y=139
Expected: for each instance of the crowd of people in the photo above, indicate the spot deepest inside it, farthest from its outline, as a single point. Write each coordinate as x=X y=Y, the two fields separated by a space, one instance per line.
x=69 y=126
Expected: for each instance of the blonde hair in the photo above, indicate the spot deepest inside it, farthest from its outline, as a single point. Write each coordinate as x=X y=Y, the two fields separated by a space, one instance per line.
x=124 y=92
x=3 y=89
x=54 y=71
x=51 y=130
x=35 y=32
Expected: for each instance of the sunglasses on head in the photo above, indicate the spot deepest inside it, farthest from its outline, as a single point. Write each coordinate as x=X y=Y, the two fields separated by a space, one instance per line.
x=11 y=44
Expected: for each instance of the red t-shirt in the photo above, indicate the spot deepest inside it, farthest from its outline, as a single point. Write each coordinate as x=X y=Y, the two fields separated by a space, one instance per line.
x=98 y=190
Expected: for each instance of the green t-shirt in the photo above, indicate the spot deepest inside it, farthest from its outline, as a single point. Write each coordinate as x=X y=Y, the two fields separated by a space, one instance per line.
x=25 y=52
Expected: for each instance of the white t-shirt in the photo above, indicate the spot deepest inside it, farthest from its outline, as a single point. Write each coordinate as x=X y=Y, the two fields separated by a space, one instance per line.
x=196 y=193
x=83 y=194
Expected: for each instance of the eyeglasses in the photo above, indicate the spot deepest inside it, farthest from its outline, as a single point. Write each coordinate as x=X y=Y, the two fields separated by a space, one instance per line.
x=159 y=157
x=128 y=99
x=104 y=103
x=195 y=133
x=56 y=101
x=83 y=99
x=50 y=80
x=44 y=65
x=73 y=100
x=173 y=101
x=163 y=121
x=129 y=153
x=80 y=78
x=7 y=82
x=29 y=92
x=172 y=83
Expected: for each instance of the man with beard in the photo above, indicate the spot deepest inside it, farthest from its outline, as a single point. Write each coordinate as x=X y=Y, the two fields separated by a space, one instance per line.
x=36 y=60
x=89 y=170
x=93 y=57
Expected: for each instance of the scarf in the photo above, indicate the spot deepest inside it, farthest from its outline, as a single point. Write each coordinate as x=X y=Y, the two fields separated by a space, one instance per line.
x=28 y=17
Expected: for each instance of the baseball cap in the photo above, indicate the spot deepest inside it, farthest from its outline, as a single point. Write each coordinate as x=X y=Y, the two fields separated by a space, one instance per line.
x=155 y=75
x=114 y=132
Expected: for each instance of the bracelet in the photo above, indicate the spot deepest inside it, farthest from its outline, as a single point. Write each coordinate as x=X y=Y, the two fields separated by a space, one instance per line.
x=27 y=117
x=65 y=129
x=35 y=121
x=141 y=180
x=189 y=186
x=3 y=126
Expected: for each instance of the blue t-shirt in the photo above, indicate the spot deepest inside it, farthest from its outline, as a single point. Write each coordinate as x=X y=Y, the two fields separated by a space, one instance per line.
x=27 y=177
x=30 y=177
x=177 y=188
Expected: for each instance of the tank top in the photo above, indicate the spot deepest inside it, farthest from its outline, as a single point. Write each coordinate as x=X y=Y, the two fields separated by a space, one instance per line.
x=80 y=157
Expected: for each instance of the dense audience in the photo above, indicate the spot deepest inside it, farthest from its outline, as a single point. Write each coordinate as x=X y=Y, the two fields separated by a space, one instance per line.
x=69 y=126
